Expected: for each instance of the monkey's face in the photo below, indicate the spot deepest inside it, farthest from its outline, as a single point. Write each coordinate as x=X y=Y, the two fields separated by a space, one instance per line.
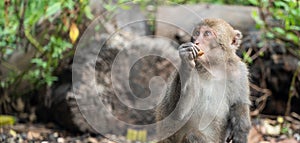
x=205 y=38
x=218 y=40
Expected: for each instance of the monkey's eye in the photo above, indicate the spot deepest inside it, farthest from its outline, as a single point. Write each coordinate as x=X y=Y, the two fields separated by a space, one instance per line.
x=207 y=33
x=196 y=33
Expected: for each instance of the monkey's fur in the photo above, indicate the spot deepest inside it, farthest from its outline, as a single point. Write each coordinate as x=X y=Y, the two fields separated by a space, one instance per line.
x=218 y=79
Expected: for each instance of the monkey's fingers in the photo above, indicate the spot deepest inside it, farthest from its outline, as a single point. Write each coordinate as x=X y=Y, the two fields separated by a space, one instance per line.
x=186 y=45
x=194 y=51
x=198 y=51
x=197 y=47
x=191 y=50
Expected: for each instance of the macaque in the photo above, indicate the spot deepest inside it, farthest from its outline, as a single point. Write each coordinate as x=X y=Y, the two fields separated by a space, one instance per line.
x=211 y=86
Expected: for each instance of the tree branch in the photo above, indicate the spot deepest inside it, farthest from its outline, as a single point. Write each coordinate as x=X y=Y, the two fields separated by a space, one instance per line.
x=33 y=41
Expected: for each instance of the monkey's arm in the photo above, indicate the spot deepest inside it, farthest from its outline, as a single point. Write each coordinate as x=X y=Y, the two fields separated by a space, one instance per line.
x=239 y=111
x=240 y=122
x=188 y=91
x=180 y=91
x=188 y=52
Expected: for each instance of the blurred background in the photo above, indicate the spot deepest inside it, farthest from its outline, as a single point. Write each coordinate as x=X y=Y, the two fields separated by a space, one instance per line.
x=38 y=40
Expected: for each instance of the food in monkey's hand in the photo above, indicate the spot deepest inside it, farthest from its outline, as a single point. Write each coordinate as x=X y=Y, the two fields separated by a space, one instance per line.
x=200 y=53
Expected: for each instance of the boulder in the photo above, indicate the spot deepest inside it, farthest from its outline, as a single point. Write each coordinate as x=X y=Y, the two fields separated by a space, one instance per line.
x=117 y=76
x=132 y=20
x=177 y=22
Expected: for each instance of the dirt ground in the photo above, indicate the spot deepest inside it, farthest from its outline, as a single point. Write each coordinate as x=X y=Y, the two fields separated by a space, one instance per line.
x=264 y=129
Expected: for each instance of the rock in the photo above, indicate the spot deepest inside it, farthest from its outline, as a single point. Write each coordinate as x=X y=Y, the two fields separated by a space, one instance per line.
x=297 y=136
x=33 y=135
x=3 y=137
x=24 y=136
x=19 y=138
x=91 y=140
x=52 y=138
x=174 y=21
x=93 y=104
x=55 y=134
x=96 y=7
x=60 y=140
x=132 y=21
x=12 y=133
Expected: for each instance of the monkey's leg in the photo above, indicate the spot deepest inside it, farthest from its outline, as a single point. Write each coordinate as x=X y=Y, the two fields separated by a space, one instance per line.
x=240 y=122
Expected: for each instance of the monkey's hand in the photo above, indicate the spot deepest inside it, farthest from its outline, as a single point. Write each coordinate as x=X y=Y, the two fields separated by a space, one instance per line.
x=188 y=52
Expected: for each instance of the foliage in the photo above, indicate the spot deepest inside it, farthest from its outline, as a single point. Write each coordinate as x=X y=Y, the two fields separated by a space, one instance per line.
x=235 y=2
x=39 y=29
x=279 y=20
x=7 y=120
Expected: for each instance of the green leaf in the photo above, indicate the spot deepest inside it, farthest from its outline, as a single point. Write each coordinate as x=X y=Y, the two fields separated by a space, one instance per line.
x=39 y=62
x=247 y=58
x=50 y=79
x=36 y=60
x=279 y=30
x=125 y=7
x=292 y=3
x=265 y=2
x=295 y=12
x=69 y=4
x=260 y=44
x=53 y=9
x=270 y=35
x=9 y=51
x=261 y=54
x=253 y=2
x=259 y=23
x=292 y=37
x=295 y=28
x=110 y=7
x=281 y=4
x=97 y=27
x=33 y=74
x=284 y=130
x=2 y=43
x=7 y=120
x=88 y=13
x=123 y=1
x=3 y=84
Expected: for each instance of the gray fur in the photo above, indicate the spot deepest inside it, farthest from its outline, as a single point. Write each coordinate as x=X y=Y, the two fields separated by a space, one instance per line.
x=216 y=97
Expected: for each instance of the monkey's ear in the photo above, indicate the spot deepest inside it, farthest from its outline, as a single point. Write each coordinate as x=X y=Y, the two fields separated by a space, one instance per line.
x=237 y=40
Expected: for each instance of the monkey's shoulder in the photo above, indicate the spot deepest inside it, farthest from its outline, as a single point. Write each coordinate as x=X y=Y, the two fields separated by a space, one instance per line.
x=238 y=73
x=237 y=87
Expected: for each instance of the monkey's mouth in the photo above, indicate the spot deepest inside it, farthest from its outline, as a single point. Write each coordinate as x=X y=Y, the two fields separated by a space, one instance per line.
x=202 y=60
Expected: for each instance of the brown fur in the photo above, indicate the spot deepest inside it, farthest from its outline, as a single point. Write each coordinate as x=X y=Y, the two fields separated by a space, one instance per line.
x=188 y=90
